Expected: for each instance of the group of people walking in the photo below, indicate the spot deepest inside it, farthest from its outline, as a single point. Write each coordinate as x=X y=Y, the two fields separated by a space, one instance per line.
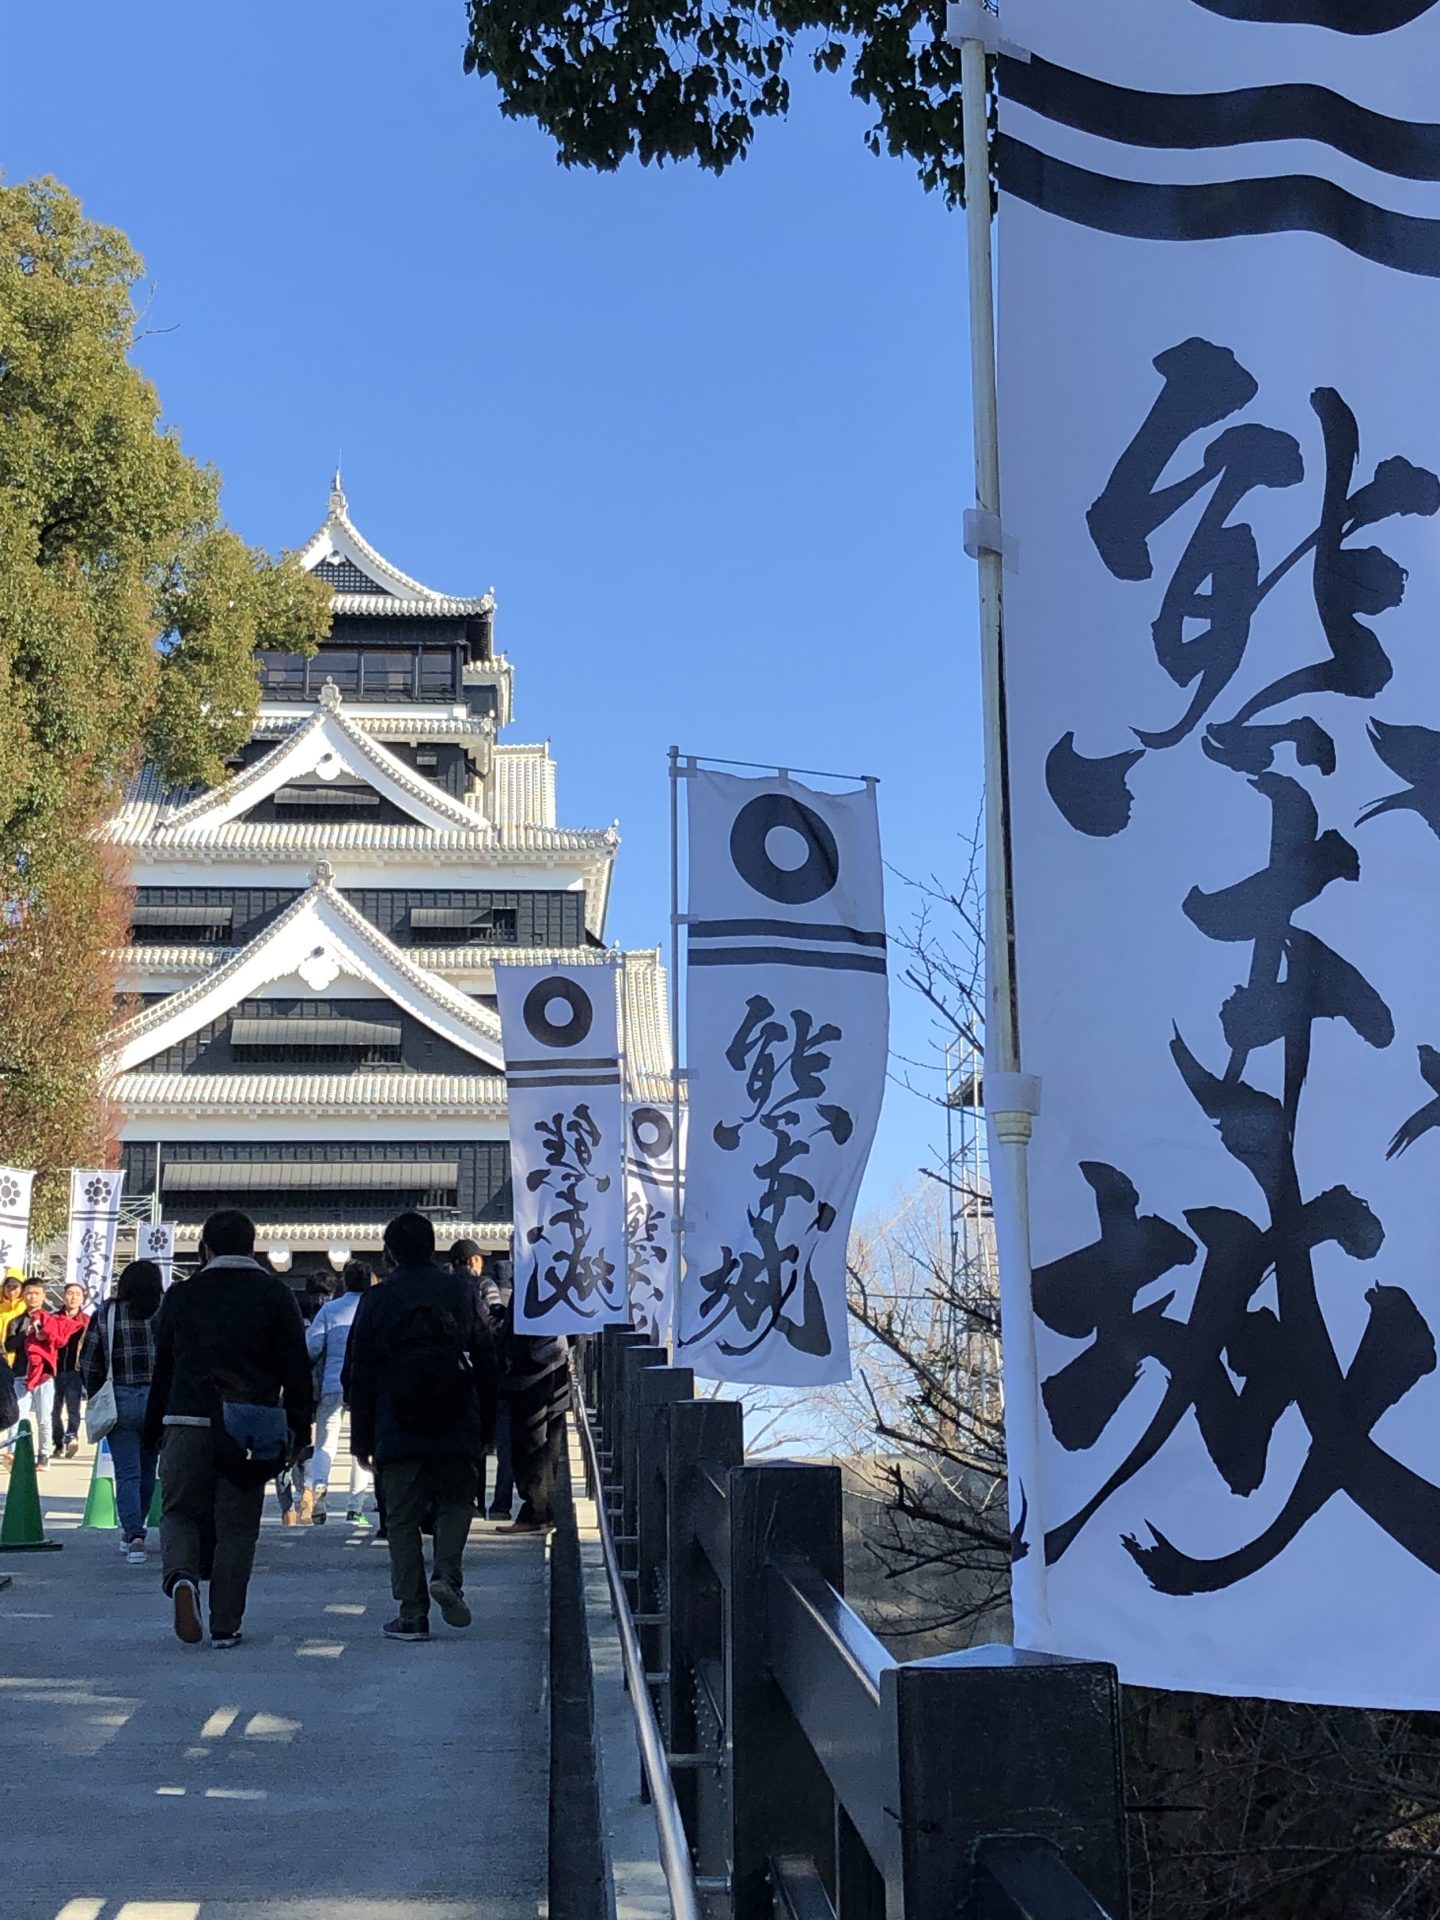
x=42 y=1351
x=221 y=1388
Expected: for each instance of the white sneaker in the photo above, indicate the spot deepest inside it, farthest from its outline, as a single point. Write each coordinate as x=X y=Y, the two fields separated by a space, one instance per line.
x=135 y=1553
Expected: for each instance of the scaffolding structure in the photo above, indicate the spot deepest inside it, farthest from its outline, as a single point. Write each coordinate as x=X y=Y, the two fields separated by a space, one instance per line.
x=974 y=1266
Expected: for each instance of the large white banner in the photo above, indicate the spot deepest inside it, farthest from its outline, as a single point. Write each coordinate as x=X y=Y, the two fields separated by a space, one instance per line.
x=652 y=1164
x=562 y=1066
x=15 y=1186
x=1220 y=435
x=787 y=1024
x=94 y=1219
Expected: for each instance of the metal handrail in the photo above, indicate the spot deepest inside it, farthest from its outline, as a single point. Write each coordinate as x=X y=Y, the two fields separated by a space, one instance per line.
x=675 y=1861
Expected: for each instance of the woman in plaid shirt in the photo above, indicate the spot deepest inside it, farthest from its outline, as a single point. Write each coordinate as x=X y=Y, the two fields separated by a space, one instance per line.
x=127 y=1356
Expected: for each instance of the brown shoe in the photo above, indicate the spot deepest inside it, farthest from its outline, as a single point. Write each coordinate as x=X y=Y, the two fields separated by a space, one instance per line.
x=307 y=1507
x=186 y=1596
x=289 y=1518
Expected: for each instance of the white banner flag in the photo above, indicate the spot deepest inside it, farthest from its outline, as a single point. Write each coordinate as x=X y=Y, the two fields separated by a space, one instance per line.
x=1220 y=439
x=157 y=1242
x=15 y=1186
x=94 y=1218
x=786 y=1030
x=650 y=1180
x=562 y=1066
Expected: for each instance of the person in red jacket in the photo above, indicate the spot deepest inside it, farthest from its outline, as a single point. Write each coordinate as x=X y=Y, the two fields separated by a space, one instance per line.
x=33 y=1346
x=69 y=1388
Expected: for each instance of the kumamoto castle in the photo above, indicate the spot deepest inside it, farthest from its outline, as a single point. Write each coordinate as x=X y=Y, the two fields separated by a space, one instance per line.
x=314 y=940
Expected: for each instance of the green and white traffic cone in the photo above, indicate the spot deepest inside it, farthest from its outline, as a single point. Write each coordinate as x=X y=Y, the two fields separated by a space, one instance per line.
x=101 y=1513
x=22 y=1530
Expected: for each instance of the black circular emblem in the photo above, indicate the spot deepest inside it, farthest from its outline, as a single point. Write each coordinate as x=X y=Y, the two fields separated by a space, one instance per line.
x=652 y=1132
x=796 y=886
x=538 y=1022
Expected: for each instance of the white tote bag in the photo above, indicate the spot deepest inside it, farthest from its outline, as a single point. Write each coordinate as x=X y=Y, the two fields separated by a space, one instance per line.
x=102 y=1411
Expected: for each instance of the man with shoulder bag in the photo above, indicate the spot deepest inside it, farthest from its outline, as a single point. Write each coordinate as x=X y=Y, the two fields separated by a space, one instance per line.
x=232 y=1400
x=419 y=1375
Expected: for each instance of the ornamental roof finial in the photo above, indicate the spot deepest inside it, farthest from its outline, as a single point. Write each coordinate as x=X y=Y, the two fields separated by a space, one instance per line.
x=338 y=502
x=329 y=696
x=322 y=874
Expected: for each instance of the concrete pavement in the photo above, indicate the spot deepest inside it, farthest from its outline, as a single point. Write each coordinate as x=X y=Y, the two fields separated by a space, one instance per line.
x=315 y=1773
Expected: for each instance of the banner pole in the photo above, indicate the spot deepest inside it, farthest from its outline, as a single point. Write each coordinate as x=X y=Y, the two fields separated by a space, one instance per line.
x=677 y=1225
x=1011 y=1098
x=623 y=1029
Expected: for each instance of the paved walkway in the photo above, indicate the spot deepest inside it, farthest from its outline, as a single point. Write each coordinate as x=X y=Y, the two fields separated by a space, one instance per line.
x=315 y=1773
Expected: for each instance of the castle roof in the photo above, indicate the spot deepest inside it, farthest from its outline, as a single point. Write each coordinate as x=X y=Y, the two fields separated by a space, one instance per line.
x=365 y=582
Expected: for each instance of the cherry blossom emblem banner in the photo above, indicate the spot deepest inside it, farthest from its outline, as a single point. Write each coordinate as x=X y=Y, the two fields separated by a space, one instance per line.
x=786 y=1033
x=15 y=1186
x=157 y=1243
x=560 y=1030
x=94 y=1222
x=1219 y=305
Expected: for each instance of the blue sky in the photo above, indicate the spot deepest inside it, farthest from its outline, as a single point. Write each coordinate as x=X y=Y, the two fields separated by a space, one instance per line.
x=707 y=439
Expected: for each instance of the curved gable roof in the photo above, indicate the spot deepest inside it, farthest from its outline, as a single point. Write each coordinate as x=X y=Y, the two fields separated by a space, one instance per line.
x=340 y=539
x=327 y=744
x=321 y=937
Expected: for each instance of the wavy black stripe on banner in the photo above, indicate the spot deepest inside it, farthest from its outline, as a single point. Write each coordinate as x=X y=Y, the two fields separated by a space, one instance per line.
x=562 y=1079
x=1340 y=16
x=1193 y=121
x=1291 y=203
x=785 y=929
x=547 y=1063
x=785 y=957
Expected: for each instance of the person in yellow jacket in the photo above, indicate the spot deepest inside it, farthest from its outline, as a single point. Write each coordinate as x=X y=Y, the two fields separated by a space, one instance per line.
x=12 y=1301
x=12 y=1305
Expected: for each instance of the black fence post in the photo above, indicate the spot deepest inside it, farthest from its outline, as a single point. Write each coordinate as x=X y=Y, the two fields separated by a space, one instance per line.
x=652 y=1388
x=703 y=1440
x=656 y=1388
x=613 y=1343
x=991 y=1745
x=782 y=1802
x=634 y=1361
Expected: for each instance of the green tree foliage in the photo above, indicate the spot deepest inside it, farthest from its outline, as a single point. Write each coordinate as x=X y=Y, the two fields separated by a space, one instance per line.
x=128 y=616
x=681 y=80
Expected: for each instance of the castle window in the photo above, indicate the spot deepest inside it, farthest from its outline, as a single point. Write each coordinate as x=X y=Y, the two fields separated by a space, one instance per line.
x=304 y=803
x=463 y=926
x=180 y=926
x=297 y=1040
x=389 y=673
x=437 y=673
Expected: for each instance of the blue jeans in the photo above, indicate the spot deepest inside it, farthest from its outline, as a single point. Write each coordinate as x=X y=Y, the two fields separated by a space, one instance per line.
x=134 y=1462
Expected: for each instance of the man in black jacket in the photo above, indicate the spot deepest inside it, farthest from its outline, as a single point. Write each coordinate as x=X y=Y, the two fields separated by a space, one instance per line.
x=231 y=1338
x=420 y=1381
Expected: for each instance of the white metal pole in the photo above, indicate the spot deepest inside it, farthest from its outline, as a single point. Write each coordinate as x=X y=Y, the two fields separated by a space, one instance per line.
x=677 y=1219
x=1011 y=1098
x=625 y=1111
x=1001 y=1035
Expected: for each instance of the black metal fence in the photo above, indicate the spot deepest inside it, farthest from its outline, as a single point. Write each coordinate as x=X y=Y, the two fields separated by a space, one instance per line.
x=817 y=1776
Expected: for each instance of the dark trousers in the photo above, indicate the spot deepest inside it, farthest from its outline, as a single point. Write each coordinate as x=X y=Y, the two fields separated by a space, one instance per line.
x=538 y=1474
x=450 y=1482
x=208 y=1526
x=503 y=1497
x=65 y=1418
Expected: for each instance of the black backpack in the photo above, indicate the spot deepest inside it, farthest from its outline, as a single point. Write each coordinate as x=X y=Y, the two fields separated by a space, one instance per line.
x=427 y=1369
